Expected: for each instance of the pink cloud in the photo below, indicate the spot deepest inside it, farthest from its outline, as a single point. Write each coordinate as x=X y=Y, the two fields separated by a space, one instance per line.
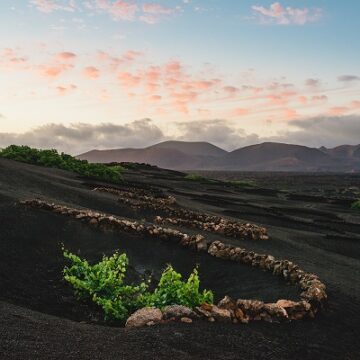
x=319 y=98
x=118 y=10
x=55 y=70
x=290 y=113
x=338 y=110
x=91 y=72
x=278 y=14
x=155 y=98
x=303 y=99
x=355 y=104
x=63 y=90
x=153 y=8
x=231 y=90
x=277 y=100
x=240 y=112
x=129 y=80
x=12 y=59
x=66 y=55
x=48 y=6
x=154 y=12
x=173 y=67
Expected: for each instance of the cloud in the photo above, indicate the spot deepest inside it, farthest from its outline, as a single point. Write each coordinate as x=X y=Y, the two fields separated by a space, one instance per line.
x=64 y=90
x=328 y=131
x=81 y=137
x=240 y=112
x=48 y=6
x=280 y=15
x=154 y=12
x=149 y=13
x=119 y=10
x=66 y=55
x=76 y=138
x=91 y=72
x=54 y=70
x=219 y=132
x=348 y=78
x=312 y=82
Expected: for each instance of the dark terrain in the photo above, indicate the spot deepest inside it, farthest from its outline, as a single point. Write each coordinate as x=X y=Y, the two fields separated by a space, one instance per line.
x=309 y=221
x=268 y=156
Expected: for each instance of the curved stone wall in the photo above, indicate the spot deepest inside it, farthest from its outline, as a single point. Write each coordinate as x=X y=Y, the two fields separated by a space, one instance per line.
x=312 y=299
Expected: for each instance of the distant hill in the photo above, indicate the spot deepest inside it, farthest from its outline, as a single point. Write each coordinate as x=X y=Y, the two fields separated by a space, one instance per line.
x=269 y=156
x=278 y=157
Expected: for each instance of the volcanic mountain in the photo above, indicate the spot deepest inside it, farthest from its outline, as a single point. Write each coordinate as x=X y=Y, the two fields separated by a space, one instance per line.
x=268 y=156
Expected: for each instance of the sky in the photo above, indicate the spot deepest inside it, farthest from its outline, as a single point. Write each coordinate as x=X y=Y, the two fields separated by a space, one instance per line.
x=78 y=75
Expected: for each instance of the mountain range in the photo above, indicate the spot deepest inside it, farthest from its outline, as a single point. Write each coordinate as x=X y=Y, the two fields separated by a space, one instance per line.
x=268 y=156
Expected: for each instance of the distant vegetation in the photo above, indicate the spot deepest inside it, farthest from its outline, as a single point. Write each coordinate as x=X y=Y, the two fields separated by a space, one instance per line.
x=103 y=283
x=197 y=178
x=51 y=158
x=356 y=205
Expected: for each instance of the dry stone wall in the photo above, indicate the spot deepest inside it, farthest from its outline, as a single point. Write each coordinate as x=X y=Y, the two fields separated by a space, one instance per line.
x=138 y=199
x=312 y=299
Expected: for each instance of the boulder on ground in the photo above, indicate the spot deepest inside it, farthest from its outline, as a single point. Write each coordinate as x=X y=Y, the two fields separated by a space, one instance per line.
x=143 y=317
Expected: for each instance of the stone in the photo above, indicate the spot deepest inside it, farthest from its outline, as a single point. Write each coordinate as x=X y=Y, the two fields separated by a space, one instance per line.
x=227 y=303
x=93 y=222
x=177 y=312
x=186 y=320
x=221 y=315
x=286 y=303
x=144 y=316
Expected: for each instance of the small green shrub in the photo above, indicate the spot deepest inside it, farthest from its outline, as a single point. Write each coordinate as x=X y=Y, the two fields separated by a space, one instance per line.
x=51 y=158
x=103 y=283
x=356 y=205
x=172 y=290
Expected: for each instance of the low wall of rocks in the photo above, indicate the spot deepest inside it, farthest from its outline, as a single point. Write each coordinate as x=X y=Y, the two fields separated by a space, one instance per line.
x=312 y=299
x=188 y=218
x=136 y=197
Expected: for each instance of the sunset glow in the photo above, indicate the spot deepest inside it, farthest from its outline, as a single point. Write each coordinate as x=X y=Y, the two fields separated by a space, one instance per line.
x=246 y=71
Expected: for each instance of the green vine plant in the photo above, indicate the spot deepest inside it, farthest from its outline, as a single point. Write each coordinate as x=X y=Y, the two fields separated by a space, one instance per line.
x=103 y=284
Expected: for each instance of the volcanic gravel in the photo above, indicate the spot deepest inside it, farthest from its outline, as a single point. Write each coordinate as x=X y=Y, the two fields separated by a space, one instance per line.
x=40 y=319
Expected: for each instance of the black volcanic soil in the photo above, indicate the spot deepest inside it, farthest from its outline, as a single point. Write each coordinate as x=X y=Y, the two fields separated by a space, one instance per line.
x=40 y=319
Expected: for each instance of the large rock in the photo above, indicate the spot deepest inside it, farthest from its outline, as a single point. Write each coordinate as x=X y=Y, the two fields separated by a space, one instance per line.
x=143 y=317
x=177 y=312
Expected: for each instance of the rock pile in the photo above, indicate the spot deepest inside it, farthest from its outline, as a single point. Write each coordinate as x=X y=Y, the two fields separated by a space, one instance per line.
x=109 y=222
x=219 y=226
x=139 y=199
x=312 y=299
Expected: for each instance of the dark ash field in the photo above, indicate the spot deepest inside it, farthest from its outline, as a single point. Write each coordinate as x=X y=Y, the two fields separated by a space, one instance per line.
x=309 y=220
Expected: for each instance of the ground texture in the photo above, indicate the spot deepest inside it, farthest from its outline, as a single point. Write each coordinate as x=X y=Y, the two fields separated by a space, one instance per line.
x=309 y=222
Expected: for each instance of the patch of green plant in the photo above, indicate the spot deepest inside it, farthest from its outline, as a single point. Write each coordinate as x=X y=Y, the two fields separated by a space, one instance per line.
x=173 y=290
x=51 y=158
x=103 y=283
x=356 y=205
x=197 y=178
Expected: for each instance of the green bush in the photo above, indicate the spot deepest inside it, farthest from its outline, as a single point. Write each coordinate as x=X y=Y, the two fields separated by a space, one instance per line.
x=172 y=290
x=51 y=158
x=356 y=205
x=103 y=283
